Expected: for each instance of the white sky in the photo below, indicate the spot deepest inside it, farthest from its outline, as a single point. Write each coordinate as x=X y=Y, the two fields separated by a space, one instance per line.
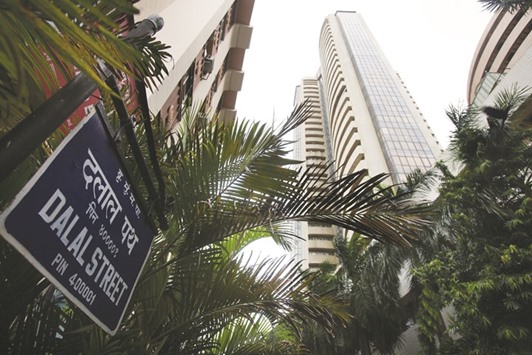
x=430 y=43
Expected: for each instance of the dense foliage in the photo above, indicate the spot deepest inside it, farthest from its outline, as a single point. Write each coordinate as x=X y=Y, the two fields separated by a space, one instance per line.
x=483 y=266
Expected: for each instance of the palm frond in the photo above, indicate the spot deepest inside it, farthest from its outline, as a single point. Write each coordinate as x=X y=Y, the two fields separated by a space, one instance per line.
x=232 y=246
x=420 y=183
x=244 y=336
x=506 y=5
x=42 y=40
x=461 y=117
x=226 y=178
x=30 y=329
x=206 y=293
x=257 y=336
x=506 y=103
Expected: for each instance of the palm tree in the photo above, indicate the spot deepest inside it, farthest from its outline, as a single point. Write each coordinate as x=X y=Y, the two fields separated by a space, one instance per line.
x=370 y=273
x=368 y=279
x=225 y=181
x=257 y=188
x=226 y=185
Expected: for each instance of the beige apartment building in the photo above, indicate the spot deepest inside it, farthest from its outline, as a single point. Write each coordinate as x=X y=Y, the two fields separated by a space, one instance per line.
x=208 y=40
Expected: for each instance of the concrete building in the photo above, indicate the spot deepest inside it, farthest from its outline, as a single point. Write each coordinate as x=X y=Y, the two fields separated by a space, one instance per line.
x=207 y=40
x=313 y=147
x=502 y=61
x=364 y=118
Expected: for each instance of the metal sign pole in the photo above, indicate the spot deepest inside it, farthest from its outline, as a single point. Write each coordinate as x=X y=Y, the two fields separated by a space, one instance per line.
x=22 y=140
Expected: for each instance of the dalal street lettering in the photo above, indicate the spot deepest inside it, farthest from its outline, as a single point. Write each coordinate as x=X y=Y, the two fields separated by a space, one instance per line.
x=64 y=222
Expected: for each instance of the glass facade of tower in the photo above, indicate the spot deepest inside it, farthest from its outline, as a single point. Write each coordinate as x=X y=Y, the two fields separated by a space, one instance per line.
x=403 y=144
x=363 y=120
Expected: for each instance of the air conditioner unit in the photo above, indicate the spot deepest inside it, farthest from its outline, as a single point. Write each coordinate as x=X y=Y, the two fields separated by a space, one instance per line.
x=208 y=66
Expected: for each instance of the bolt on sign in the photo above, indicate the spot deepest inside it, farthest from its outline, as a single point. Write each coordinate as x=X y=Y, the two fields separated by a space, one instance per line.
x=78 y=222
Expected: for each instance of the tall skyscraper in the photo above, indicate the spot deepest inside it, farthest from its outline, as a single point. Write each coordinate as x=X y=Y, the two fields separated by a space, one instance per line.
x=364 y=119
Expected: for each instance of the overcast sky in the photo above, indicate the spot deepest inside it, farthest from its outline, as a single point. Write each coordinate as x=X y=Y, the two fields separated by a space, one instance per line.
x=430 y=43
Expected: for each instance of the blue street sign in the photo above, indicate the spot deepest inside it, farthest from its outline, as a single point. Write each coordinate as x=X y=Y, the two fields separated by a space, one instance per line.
x=78 y=222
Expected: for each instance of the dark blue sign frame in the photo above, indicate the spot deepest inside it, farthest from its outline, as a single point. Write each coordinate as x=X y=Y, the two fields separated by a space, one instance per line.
x=78 y=221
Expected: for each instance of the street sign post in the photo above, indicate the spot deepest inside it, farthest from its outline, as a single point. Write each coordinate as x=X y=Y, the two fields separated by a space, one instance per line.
x=78 y=222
